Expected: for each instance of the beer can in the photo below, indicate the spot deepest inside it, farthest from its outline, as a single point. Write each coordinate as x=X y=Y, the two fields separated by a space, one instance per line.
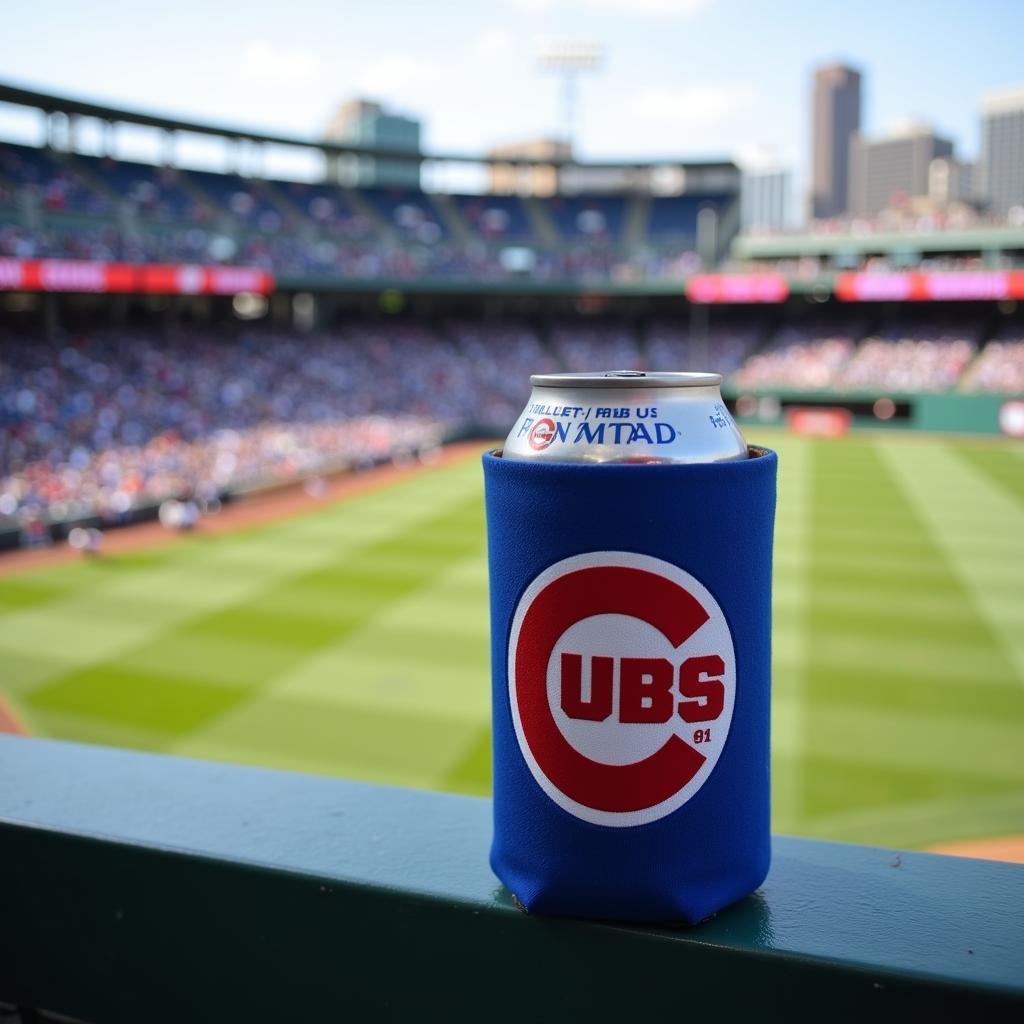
x=630 y=597
x=626 y=416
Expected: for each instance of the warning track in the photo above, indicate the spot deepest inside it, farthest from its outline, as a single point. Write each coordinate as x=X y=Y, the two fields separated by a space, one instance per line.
x=1005 y=848
x=253 y=510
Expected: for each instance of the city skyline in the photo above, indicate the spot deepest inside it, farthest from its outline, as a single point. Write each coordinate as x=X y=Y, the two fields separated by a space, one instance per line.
x=700 y=89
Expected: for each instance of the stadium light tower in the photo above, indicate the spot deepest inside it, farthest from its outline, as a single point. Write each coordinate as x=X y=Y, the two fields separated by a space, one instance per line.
x=570 y=60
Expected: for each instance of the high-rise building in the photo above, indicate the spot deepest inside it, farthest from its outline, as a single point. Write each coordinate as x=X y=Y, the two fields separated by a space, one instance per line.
x=951 y=181
x=836 y=119
x=1001 y=169
x=765 y=199
x=539 y=179
x=363 y=123
x=887 y=172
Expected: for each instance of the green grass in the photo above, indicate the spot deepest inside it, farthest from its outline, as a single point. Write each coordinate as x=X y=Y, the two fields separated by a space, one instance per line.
x=353 y=640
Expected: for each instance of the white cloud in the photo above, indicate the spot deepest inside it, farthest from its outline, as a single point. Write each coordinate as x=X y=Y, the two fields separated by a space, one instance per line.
x=392 y=76
x=262 y=61
x=652 y=8
x=642 y=8
x=757 y=155
x=493 y=41
x=695 y=106
x=533 y=6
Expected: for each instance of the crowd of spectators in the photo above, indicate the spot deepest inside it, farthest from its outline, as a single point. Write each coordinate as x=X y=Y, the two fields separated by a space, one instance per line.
x=808 y=356
x=911 y=358
x=141 y=213
x=917 y=357
x=955 y=216
x=600 y=344
x=120 y=419
x=1000 y=366
x=110 y=421
x=105 y=422
x=670 y=346
x=370 y=258
x=115 y=482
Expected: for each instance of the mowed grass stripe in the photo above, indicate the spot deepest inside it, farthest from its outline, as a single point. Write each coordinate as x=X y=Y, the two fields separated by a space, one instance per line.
x=429 y=649
x=924 y=822
x=375 y=744
x=885 y=707
x=789 y=636
x=1002 y=466
x=93 y=692
x=883 y=790
x=960 y=503
x=415 y=665
x=887 y=677
x=915 y=740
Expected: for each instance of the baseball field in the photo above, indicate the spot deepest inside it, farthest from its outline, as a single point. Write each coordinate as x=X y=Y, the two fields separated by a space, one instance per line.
x=352 y=640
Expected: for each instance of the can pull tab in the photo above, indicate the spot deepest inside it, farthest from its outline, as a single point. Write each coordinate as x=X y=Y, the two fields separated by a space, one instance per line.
x=625 y=373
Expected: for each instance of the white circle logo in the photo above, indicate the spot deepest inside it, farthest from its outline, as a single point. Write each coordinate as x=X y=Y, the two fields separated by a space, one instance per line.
x=1011 y=418
x=622 y=680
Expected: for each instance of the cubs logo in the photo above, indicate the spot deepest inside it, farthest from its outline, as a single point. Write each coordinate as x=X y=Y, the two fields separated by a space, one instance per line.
x=622 y=680
x=542 y=433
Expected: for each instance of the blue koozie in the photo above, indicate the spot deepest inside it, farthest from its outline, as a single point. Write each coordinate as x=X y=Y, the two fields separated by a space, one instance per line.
x=631 y=665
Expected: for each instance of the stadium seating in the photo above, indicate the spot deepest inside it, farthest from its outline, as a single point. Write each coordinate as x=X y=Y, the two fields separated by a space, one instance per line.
x=53 y=182
x=101 y=422
x=495 y=218
x=151 y=192
x=912 y=357
x=583 y=346
x=326 y=207
x=242 y=199
x=590 y=218
x=407 y=212
x=670 y=347
x=674 y=218
x=298 y=228
x=1000 y=365
x=810 y=356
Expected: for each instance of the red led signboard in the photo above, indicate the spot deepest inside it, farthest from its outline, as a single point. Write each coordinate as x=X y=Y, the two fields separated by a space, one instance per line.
x=135 y=278
x=937 y=287
x=716 y=288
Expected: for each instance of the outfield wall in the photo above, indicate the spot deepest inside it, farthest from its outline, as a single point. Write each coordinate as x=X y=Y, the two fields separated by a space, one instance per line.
x=942 y=413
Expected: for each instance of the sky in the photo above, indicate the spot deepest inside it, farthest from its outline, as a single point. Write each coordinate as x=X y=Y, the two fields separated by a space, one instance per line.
x=681 y=78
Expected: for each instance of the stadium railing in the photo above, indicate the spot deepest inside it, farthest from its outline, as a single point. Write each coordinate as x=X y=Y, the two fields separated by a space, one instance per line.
x=139 y=887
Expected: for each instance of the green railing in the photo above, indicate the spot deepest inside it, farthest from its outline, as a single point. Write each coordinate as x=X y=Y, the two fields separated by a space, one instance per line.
x=142 y=888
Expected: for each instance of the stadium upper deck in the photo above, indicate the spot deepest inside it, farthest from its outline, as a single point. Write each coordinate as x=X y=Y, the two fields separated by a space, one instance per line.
x=605 y=221
x=896 y=242
x=60 y=204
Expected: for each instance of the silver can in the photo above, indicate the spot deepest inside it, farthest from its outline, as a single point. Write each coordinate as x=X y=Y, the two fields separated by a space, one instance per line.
x=625 y=416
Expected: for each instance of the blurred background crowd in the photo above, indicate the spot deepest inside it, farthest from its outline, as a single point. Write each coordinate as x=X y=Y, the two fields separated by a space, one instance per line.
x=101 y=423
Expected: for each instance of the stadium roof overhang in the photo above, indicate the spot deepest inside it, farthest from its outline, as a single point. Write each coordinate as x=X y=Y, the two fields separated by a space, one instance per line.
x=51 y=103
x=996 y=238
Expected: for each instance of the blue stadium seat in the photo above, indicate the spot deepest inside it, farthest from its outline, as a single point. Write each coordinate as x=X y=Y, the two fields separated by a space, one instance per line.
x=326 y=206
x=495 y=218
x=588 y=218
x=152 y=191
x=674 y=218
x=241 y=198
x=407 y=211
x=56 y=184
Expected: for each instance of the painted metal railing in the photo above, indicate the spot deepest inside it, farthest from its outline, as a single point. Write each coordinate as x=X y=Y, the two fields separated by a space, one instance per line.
x=143 y=889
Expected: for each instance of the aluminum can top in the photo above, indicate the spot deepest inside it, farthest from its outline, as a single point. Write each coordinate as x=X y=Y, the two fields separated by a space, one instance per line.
x=627 y=379
x=625 y=416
